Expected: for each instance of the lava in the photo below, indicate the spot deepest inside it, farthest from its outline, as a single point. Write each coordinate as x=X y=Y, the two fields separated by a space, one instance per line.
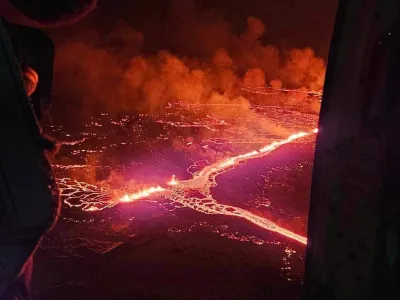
x=173 y=181
x=92 y=198
x=142 y=194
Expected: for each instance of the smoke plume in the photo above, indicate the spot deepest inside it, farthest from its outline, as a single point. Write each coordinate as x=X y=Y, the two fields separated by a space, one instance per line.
x=97 y=71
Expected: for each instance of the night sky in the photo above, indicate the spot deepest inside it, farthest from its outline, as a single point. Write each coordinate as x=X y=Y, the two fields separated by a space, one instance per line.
x=289 y=23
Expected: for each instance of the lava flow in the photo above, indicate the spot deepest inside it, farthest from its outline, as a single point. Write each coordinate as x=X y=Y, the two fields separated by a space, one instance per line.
x=194 y=193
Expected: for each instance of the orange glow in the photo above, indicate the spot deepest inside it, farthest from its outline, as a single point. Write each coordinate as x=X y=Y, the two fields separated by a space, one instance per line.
x=173 y=181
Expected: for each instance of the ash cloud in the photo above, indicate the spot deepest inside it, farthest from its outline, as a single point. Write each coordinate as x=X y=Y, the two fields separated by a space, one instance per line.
x=97 y=71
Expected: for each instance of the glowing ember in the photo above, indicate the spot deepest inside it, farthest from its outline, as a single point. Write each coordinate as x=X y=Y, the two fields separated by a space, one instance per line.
x=181 y=191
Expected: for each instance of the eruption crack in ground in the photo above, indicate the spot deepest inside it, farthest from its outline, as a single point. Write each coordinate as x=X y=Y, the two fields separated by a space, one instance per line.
x=93 y=198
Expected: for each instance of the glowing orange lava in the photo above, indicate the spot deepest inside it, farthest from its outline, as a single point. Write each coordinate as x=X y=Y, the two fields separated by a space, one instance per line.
x=142 y=194
x=182 y=191
x=173 y=181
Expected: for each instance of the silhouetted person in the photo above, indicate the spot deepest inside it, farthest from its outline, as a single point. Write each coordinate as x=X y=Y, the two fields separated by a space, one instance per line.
x=29 y=200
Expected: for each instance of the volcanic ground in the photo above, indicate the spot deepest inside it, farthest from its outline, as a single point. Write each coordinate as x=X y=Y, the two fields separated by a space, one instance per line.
x=158 y=248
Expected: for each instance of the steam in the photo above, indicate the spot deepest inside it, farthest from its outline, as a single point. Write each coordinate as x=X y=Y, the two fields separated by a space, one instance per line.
x=110 y=72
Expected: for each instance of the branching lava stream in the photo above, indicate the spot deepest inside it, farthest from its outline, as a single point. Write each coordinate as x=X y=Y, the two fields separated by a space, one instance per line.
x=194 y=193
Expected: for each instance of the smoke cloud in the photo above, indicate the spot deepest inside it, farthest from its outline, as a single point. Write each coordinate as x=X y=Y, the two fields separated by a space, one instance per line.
x=99 y=71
